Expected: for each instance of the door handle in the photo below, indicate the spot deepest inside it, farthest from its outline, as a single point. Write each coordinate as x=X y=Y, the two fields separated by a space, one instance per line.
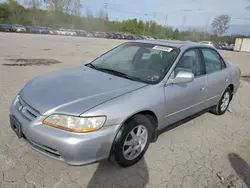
x=202 y=89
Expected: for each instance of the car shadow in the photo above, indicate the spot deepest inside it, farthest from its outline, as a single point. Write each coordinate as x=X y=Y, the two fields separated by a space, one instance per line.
x=108 y=175
x=241 y=167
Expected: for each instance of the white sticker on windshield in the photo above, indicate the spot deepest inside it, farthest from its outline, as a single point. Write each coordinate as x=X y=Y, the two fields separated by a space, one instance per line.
x=163 y=48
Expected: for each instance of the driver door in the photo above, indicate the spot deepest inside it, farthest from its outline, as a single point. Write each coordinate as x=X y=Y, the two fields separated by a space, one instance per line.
x=185 y=99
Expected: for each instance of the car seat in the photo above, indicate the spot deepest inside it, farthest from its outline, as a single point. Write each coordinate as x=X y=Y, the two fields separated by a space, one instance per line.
x=156 y=62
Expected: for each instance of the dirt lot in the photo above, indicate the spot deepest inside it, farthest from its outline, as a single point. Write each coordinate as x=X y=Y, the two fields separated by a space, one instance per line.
x=209 y=151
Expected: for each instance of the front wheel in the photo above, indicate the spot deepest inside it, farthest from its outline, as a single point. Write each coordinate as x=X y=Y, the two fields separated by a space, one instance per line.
x=132 y=141
x=224 y=102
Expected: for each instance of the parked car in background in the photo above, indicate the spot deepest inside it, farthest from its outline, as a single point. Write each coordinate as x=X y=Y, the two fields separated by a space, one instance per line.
x=120 y=105
x=100 y=34
x=110 y=35
x=67 y=32
x=81 y=33
x=19 y=28
x=130 y=37
x=51 y=31
x=71 y=32
x=30 y=29
x=89 y=34
x=209 y=43
x=41 y=30
x=119 y=36
x=6 y=28
x=61 y=32
x=230 y=47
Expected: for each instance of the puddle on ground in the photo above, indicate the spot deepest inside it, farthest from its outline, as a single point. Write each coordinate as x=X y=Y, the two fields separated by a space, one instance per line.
x=30 y=62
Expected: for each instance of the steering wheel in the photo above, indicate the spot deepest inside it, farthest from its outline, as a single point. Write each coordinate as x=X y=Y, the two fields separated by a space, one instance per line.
x=149 y=72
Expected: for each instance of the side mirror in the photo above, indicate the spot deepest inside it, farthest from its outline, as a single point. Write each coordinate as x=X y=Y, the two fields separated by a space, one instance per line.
x=182 y=77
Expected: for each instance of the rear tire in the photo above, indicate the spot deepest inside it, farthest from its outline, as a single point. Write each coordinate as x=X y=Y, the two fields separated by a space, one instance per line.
x=134 y=135
x=224 y=102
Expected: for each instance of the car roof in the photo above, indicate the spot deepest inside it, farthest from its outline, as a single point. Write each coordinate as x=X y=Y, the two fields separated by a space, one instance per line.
x=173 y=43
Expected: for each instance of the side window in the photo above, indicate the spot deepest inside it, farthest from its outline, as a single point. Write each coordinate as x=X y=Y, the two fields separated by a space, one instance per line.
x=190 y=62
x=213 y=61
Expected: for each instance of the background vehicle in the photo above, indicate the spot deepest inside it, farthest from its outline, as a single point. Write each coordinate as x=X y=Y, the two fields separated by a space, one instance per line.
x=30 y=29
x=71 y=32
x=51 y=31
x=209 y=43
x=41 y=30
x=6 y=28
x=61 y=32
x=19 y=28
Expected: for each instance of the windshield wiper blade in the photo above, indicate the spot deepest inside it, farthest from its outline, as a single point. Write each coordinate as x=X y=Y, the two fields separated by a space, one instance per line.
x=91 y=65
x=114 y=72
x=117 y=73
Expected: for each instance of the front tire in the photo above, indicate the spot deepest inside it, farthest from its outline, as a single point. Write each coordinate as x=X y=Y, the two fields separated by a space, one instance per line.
x=132 y=141
x=224 y=102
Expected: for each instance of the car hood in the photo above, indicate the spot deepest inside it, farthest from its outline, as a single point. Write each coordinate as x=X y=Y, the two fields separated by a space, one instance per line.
x=74 y=91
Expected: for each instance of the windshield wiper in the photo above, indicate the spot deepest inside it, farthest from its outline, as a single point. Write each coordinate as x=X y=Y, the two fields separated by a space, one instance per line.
x=121 y=74
x=91 y=65
x=114 y=72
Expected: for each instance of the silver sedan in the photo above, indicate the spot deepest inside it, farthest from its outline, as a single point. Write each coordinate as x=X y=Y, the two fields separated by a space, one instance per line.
x=113 y=107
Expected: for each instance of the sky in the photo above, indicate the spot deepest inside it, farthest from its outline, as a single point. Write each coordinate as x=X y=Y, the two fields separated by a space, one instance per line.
x=177 y=13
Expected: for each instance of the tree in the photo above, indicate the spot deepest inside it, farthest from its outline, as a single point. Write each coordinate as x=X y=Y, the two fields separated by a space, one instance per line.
x=220 y=24
x=248 y=7
x=89 y=14
x=176 y=34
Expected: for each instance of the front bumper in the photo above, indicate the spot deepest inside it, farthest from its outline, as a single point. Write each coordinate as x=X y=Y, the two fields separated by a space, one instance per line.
x=72 y=148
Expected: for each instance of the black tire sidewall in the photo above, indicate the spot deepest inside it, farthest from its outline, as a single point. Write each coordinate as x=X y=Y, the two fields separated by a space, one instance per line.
x=122 y=135
x=220 y=112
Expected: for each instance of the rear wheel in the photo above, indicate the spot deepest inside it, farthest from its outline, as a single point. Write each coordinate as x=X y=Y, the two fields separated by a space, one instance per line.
x=132 y=141
x=224 y=102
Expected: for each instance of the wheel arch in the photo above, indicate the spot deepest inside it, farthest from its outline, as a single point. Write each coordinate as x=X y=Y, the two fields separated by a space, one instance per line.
x=150 y=115
x=231 y=87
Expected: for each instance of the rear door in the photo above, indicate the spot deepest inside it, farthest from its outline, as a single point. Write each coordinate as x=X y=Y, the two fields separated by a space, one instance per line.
x=217 y=77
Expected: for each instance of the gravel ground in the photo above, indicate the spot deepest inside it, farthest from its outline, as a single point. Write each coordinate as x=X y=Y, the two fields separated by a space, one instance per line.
x=209 y=151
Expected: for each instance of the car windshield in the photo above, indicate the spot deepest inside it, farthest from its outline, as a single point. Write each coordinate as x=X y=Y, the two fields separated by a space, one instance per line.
x=142 y=62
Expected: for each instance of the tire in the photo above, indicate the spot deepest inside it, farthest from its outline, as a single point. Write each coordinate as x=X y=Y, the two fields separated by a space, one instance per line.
x=218 y=110
x=117 y=154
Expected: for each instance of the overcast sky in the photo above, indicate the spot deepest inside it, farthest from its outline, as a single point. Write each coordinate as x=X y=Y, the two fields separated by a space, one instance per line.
x=178 y=12
x=175 y=13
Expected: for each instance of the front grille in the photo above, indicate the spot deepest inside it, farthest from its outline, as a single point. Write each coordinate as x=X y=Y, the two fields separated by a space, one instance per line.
x=26 y=110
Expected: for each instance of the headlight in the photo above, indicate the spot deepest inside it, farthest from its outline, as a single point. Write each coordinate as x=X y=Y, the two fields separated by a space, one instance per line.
x=75 y=124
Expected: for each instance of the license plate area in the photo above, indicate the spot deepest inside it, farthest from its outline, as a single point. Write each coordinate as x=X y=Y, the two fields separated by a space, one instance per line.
x=16 y=126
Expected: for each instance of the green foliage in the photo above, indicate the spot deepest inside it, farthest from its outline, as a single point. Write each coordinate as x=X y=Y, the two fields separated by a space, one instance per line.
x=62 y=17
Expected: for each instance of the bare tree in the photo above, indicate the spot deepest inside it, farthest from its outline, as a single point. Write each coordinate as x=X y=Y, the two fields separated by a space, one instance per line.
x=60 y=5
x=248 y=6
x=76 y=9
x=89 y=13
x=220 y=24
x=35 y=4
